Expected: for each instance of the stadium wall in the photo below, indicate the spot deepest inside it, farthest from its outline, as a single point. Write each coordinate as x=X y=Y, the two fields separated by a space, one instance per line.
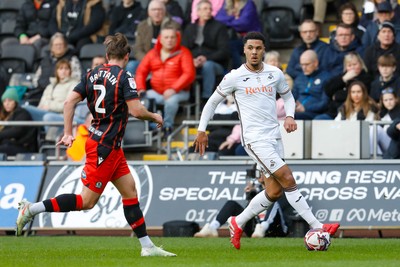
x=362 y=194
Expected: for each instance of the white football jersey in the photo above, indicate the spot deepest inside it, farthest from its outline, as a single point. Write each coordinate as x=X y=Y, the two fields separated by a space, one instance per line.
x=255 y=97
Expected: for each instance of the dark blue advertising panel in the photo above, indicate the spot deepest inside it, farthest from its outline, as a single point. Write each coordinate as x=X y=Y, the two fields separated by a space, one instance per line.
x=359 y=195
x=17 y=183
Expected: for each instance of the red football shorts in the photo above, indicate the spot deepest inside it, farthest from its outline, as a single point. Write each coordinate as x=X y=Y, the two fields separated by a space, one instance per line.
x=101 y=168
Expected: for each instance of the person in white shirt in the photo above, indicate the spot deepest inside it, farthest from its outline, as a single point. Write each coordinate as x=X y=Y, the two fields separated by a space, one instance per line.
x=254 y=86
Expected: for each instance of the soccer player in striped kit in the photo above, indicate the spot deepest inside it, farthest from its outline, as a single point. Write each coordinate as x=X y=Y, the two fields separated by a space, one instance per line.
x=111 y=96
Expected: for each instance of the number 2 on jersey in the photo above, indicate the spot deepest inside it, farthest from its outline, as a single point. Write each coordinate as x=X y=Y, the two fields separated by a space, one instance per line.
x=102 y=90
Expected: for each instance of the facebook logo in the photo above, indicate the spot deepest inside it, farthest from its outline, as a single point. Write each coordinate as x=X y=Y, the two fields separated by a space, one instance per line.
x=336 y=215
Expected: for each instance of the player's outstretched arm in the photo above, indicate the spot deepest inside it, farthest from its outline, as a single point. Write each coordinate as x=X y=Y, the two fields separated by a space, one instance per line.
x=69 y=110
x=137 y=110
x=201 y=141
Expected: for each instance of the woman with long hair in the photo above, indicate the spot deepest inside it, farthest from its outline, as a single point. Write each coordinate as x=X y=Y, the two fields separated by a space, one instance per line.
x=358 y=104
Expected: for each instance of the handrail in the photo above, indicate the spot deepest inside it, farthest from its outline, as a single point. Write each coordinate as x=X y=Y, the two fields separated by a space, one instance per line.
x=39 y=124
x=186 y=123
x=34 y=123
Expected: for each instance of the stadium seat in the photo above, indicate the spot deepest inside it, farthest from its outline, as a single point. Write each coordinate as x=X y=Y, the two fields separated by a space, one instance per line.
x=88 y=52
x=137 y=134
x=8 y=14
x=280 y=20
x=17 y=58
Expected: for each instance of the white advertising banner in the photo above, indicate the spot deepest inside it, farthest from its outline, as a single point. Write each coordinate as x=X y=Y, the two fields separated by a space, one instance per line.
x=356 y=195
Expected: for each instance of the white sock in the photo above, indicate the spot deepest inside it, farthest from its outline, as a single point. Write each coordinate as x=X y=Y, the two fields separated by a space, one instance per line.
x=259 y=203
x=146 y=242
x=299 y=203
x=215 y=224
x=36 y=208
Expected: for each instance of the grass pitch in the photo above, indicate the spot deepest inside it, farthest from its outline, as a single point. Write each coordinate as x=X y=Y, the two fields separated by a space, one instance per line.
x=71 y=251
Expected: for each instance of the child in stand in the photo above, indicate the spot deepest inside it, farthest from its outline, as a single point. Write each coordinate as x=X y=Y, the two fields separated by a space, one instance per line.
x=387 y=77
x=390 y=110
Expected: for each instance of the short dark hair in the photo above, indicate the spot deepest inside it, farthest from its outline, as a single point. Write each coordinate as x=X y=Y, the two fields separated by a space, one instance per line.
x=254 y=36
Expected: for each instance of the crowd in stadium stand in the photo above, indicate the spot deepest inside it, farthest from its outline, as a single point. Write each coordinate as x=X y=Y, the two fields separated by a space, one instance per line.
x=347 y=77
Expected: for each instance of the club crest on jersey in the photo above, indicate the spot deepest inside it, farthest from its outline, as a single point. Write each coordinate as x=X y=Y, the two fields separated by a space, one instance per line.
x=272 y=164
x=258 y=79
x=83 y=174
x=132 y=83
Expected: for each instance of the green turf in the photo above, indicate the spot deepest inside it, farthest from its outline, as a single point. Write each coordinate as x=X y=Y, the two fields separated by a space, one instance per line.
x=58 y=251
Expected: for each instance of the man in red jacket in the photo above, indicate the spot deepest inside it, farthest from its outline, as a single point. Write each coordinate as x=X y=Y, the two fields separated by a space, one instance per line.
x=172 y=73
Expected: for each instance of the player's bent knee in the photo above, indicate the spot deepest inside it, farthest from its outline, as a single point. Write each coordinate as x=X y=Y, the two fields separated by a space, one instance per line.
x=273 y=193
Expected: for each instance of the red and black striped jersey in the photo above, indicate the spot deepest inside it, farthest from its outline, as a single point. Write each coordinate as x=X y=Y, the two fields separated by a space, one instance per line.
x=107 y=88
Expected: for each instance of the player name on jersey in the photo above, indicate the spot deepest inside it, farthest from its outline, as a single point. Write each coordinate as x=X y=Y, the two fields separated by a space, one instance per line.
x=103 y=74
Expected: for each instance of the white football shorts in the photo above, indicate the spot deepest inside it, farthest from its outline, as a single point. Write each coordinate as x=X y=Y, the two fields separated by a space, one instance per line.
x=268 y=154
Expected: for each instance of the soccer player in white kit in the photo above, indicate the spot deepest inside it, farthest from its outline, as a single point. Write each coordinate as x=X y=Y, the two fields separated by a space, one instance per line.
x=254 y=86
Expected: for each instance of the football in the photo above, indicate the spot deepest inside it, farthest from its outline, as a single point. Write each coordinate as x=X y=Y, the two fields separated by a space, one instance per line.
x=317 y=239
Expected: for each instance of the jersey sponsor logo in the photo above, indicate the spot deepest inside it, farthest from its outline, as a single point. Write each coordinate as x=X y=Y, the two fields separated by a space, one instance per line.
x=245 y=80
x=270 y=76
x=255 y=90
x=94 y=131
x=132 y=83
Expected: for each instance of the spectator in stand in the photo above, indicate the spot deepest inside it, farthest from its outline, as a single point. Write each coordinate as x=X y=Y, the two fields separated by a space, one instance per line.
x=387 y=77
x=384 y=13
x=172 y=73
x=55 y=93
x=98 y=60
x=358 y=105
x=344 y=42
x=369 y=12
x=393 y=131
x=348 y=14
x=58 y=49
x=390 y=110
x=148 y=31
x=125 y=18
x=32 y=24
x=309 y=35
x=386 y=44
x=336 y=87
x=241 y=17
x=216 y=6
x=208 y=41
x=174 y=9
x=308 y=92
x=82 y=22
x=15 y=139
